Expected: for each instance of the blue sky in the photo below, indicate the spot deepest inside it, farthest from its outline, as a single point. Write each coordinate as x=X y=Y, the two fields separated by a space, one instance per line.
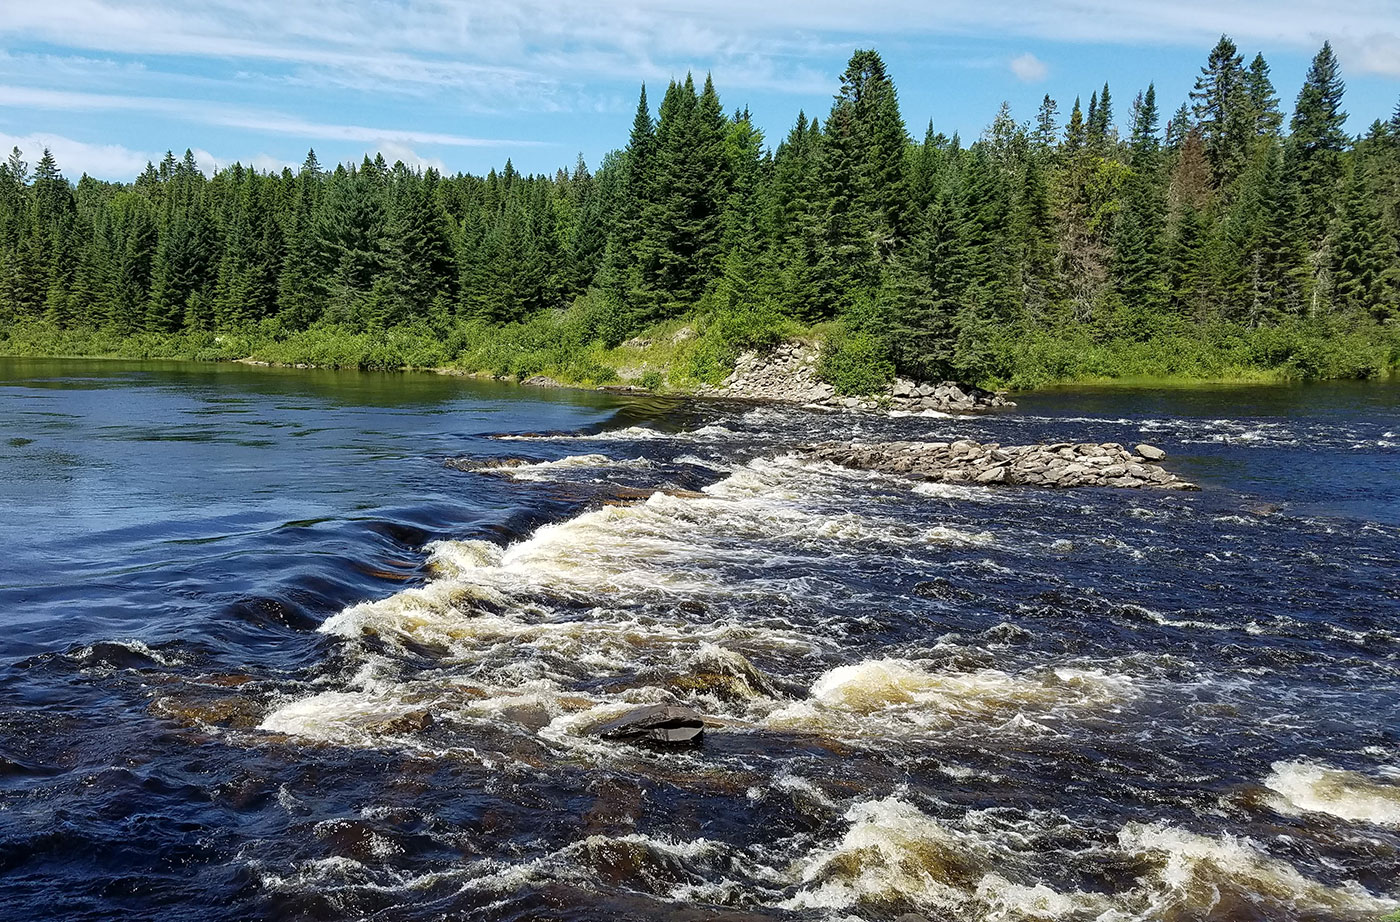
x=108 y=84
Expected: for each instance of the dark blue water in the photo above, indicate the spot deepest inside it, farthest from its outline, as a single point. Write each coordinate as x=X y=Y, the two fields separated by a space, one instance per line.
x=275 y=647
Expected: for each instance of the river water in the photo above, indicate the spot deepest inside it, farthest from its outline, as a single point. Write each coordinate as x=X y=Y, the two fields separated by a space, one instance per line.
x=266 y=653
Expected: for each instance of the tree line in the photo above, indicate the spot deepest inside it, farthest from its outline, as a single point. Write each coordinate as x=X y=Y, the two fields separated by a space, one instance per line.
x=1226 y=213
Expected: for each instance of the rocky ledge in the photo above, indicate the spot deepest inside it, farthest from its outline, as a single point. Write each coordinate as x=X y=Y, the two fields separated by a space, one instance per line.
x=1064 y=464
x=787 y=373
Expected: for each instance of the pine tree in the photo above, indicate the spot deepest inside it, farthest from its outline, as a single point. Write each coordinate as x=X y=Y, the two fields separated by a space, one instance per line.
x=879 y=130
x=1143 y=144
x=627 y=269
x=301 y=285
x=792 y=219
x=1100 y=124
x=921 y=298
x=1046 y=130
x=586 y=238
x=1074 y=131
x=1316 y=142
x=1222 y=111
x=350 y=231
x=1263 y=103
x=1364 y=259
x=1178 y=127
x=420 y=255
x=847 y=268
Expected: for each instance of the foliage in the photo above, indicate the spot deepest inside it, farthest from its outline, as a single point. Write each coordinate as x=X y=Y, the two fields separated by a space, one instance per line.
x=855 y=362
x=1222 y=247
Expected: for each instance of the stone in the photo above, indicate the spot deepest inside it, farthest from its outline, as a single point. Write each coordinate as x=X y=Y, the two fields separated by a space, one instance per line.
x=1150 y=452
x=992 y=475
x=1057 y=466
x=657 y=723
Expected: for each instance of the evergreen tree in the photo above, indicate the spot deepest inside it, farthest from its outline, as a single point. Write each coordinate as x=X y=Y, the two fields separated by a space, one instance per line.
x=351 y=246
x=1178 y=127
x=1074 y=131
x=1364 y=259
x=1263 y=103
x=1144 y=143
x=1046 y=129
x=1222 y=111
x=847 y=268
x=627 y=268
x=421 y=253
x=881 y=136
x=1316 y=143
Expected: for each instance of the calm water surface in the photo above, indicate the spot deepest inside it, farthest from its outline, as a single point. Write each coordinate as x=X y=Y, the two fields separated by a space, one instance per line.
x=273 y=648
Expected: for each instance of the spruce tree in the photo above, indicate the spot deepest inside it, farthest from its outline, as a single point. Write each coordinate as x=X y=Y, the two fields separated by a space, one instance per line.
x=627 y=270
x=1074 y=130
x=847 y=267
x=1316 y=143
x=1222 y=111
x=1364 y=264
x=883 y=142
x=1263 y=103
x=1046 y=129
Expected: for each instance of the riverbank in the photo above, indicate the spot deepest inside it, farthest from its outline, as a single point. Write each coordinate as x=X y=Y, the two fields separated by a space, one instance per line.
x=703 y=357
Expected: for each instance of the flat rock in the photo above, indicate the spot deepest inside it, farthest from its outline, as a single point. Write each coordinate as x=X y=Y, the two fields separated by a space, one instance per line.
x=1059 y=466
x=657 y=723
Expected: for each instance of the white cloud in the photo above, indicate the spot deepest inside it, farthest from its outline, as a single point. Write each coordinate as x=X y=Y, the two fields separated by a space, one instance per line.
x=393 y=152
x=529 y=50
x=257 y=120
x=1375 y=54
x=1028 y=68
x=78 y=157
x=114 y=162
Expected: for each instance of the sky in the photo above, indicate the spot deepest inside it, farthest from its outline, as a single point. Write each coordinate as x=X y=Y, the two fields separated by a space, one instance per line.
x=462 y=85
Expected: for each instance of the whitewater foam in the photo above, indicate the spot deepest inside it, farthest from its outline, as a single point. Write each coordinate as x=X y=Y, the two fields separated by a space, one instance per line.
x=1309 y=787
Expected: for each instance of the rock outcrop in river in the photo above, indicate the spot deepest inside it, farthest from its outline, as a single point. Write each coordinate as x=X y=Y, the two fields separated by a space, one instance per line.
x=788 y=374
x=1063 y=464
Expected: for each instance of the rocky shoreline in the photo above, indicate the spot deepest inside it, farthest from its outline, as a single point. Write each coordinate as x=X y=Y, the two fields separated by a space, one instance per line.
x=1057 y=466
x=788 y=374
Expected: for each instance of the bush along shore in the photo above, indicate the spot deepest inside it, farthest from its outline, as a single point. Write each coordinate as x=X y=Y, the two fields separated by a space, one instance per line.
x=1238 y=238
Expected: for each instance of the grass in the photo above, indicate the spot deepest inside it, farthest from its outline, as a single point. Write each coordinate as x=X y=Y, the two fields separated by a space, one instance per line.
x=1298 y=351
x=679 y=355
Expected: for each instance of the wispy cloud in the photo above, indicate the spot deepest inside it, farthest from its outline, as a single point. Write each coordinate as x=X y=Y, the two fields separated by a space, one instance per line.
x=1028 y=68
x=528 y=48
x=255 y=120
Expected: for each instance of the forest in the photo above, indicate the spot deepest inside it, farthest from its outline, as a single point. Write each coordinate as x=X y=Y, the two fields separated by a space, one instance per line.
x=1225 y=239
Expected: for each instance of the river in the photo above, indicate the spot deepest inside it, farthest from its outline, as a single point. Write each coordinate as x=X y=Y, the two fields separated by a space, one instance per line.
x=267 y=654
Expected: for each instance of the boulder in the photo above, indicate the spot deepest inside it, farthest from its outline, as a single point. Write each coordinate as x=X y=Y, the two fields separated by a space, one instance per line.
x=1150 y=452
x=657 y=723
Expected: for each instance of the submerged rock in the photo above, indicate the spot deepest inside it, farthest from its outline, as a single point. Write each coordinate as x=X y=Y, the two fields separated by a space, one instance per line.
x=1058 y=466
x=657 y=723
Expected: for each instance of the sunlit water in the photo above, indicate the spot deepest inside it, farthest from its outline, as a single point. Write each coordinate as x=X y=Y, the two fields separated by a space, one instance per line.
x=267 y=654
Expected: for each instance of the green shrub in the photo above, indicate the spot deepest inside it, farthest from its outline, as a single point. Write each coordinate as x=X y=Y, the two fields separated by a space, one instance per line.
x=855 y=363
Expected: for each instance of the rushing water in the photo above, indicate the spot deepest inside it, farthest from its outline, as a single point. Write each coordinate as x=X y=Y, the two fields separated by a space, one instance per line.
x=267 y=654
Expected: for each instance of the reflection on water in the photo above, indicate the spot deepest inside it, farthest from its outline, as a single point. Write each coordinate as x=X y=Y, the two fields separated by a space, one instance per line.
x=269 y=655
